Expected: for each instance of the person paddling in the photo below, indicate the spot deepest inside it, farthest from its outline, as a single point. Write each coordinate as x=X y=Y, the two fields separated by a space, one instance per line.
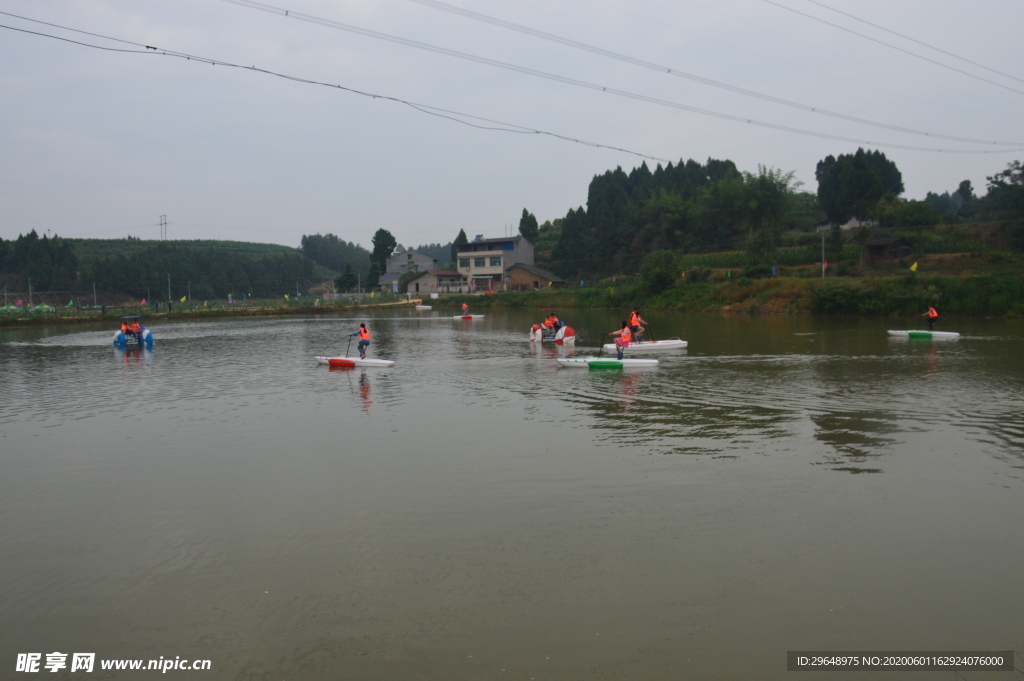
x=636 y=325
x=364 y=340
x=465 y=309
x=932 y=315
x=625 y=335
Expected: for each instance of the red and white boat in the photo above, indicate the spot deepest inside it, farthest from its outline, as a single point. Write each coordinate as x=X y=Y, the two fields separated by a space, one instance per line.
x=565 y=335
x=468 y=316
x=651 y=346
x=354 y=362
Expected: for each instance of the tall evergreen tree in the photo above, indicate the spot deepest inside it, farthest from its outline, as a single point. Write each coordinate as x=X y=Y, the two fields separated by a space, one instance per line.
x=528 y=226
x=459 y=241
x=383 y=246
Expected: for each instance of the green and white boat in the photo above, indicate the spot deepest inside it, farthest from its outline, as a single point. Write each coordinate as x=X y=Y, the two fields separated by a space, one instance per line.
x=925 y=335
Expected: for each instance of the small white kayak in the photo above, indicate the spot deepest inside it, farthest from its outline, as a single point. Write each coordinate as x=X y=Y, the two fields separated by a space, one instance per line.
x=468 y=316
x=928 y=335
x=651 y=346
x=605 y=363
x=354 y=362
x=422 y=307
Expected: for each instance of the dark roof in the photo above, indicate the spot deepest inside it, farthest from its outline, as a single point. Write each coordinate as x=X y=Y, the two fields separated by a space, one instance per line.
x=540 y=272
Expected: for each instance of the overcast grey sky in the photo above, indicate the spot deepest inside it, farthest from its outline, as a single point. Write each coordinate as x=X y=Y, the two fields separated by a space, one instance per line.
x=101 y=143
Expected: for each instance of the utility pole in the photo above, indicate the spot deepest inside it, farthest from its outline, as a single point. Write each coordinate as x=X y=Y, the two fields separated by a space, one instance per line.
x=93 y=294
x=823 y=255
x=163 y=227
x=359 y=284
x=30 y=292
x=190 y=290
x=168 y=287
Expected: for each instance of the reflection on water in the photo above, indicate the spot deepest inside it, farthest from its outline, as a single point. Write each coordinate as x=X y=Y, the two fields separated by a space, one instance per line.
x=476 y=508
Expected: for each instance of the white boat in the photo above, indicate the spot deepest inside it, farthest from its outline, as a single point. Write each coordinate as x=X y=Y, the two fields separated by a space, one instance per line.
x=651 y=346
x=929 y=335
x=354 y=362
x=468 y=316
x=566 y=335
x=605 y=363
x=422 y=307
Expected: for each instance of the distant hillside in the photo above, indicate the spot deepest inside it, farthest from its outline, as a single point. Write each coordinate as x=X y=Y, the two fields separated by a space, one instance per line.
x=89 y=250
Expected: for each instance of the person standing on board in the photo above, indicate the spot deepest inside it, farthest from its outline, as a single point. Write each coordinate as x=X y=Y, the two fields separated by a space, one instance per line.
x=465 y=309
x=635 y=325
x=625 y=335
x=364 y=340
x=932 y=315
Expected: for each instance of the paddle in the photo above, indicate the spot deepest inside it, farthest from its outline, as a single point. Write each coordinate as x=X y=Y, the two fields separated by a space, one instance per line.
x=349 y=346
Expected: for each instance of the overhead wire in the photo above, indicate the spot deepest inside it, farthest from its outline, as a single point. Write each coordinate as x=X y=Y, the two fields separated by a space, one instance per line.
x=678 y=73
x=456 y=116
x=893 y=47
x=914 y=40
x=329 y=23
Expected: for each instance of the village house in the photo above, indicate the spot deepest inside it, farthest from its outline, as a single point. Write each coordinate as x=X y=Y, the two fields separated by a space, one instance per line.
x=523 y=277
x=485 y=262
x=438 y=281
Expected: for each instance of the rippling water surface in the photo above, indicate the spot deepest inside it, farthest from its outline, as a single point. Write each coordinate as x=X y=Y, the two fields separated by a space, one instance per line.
x=478 y=512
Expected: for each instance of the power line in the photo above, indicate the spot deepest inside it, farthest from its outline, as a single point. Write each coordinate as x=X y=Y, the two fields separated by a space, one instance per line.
x=329 y=23
x=505 y=127
x=913 y=40
x=449 y=114
x=671 y=71
x=894 y=47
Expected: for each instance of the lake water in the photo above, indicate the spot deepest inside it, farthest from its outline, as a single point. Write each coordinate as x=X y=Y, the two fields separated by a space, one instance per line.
x=477 y=512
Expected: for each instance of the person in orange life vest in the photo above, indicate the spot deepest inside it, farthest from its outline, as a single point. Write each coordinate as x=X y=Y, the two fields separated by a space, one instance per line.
x=932 y=315
x=465 y=308
x=126 y=330
x=364 y=340
x=635 y=322
x=137 y=329
x=625 y=335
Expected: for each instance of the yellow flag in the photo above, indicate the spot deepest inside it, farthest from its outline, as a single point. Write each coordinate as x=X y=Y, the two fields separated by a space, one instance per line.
x=913 y=268
x=183 y=298
x=286 y=296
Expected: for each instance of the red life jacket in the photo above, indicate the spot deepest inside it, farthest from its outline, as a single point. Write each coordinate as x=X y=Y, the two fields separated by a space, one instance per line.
x=932 y=314
x=364 y=333
x=136 y=328
x=626 y=335
x=634 y=319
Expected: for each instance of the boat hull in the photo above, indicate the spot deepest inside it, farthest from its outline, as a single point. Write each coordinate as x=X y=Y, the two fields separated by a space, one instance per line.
x=605 y=363
x=468 y=316
x=651 y=346
x=925 y=335
x=565 y=335
x=122 y=340
x=422 y=307
x=354 y=362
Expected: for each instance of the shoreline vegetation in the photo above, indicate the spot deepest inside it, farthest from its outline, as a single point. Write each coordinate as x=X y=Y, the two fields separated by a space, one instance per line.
x=995 y=294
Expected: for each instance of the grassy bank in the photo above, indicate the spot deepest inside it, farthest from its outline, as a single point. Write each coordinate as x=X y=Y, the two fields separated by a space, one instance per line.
x=982 y=295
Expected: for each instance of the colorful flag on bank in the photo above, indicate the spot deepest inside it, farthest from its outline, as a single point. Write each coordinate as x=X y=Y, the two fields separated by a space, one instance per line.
x=142 y=303
x=824 y=266
x=286 y=296
x=184 y=298
x=71 y=303
x=913 y=268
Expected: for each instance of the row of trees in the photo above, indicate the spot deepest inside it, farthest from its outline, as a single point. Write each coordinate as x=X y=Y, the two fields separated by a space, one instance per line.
x=42 y=263
x=45 y=263
x=689 y=206
x=700 y=208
